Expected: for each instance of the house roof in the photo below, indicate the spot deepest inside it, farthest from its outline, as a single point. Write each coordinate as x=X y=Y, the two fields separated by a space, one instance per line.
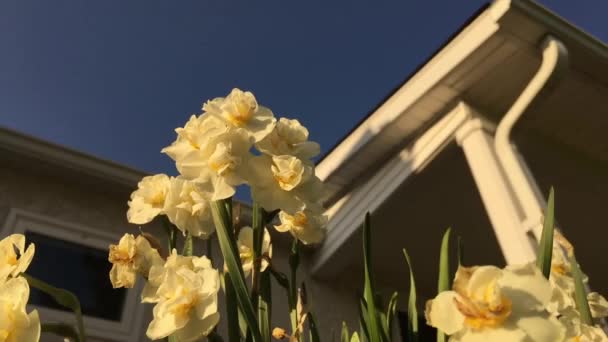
x=486 y=64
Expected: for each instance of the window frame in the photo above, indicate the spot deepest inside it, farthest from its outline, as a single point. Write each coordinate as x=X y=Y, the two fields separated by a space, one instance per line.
x=129 y=327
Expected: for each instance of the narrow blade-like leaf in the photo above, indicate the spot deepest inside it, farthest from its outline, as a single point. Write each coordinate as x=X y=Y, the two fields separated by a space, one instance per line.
x=390 y=312
x=580 y=293
x=314 y=330
x=63 y=298
x=60 y=329
x=232 y=310
x=265 y=306
x=443 y=284
x=545 y=248
x=223 y=225
x=368 y=293
x=344 y=336
x=412 y=311
x=460 y=251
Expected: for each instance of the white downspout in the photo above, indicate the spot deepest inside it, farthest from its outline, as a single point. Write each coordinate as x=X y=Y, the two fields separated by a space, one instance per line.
x=554 y=62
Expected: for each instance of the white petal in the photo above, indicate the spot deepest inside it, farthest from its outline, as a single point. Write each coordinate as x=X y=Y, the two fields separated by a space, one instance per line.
x=442 y=313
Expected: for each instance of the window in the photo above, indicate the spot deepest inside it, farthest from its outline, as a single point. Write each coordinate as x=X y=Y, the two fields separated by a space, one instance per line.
x=79 y=269
x=75 y=257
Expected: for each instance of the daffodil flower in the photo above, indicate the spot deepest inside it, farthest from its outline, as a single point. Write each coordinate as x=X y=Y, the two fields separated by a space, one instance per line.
x=289 y=137
x=245 y=246
x=14 y=257
x=490 y=304
x=130 y=257
x=187 y=207
x=283 y=182
x=16 y=325
x=222 y=161
x=241 y=110
x=185 y=292
x=148 y=200
x=308 y=225
x=576 y=331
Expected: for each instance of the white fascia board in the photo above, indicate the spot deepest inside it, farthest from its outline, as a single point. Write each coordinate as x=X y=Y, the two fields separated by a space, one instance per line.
x=457 y=51
x=347 y=214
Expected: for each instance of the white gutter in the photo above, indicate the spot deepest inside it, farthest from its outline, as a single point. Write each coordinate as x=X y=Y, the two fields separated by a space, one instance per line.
x=525 y=189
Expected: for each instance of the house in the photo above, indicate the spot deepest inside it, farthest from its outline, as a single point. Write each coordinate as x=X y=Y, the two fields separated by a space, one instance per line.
x=514 y=103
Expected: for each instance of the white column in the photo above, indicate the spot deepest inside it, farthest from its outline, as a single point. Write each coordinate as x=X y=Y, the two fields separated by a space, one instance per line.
x=478 y=146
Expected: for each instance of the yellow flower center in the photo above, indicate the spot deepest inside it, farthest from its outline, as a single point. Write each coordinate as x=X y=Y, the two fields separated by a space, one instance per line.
x=300 y=219
x=559 y=268
x=490 y=311
x=158 y=200
x=242 y=113
x=119 y=256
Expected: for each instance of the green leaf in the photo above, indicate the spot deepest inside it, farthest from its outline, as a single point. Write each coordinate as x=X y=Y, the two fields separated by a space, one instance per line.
x=344 y=337
x=312 y=326
x=375 y=327
x=232 y=260
x=412 y=311
x=60 y=329
x=265 y=306
x=363 y=321
x=172 y=338
x=443 y=283
x=232 y=310
x=444 y=263
x=63 y=298
x=460 y=251
x=545 y=248
x=390 y=312
x=294 y=262
x=187 y=251
x=580 y=293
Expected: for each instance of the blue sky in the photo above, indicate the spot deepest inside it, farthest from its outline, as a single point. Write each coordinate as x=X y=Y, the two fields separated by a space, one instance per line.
x=114 y=78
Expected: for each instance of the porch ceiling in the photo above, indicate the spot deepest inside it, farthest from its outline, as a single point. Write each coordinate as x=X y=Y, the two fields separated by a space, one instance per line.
x=487 y=65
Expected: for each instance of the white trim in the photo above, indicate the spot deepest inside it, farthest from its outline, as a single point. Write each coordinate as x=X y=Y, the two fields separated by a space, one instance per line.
x=467 y=42
x=495 y=192
x=25 y=145
x=129 y=328
x=345 y=220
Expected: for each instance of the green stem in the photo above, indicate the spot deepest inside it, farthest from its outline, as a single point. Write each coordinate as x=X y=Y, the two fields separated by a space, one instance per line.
x=63 y=298
x=229 y=249
x=171 y=233
x=294 y=262
x=232 y=311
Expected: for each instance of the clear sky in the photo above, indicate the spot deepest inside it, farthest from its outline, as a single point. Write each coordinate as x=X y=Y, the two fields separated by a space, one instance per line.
x=114 y=78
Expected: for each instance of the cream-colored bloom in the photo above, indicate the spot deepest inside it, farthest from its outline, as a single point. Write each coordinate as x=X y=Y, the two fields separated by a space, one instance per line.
x=245 y=246
x=186 y=298
x=308 y=225
x=11 y=262
x=289 y=137
x=222 y=161
x=187 y=207
x=149 y=199
x=598 y=305
x=241 y=110
x=130 y=257
x=576 y=331
x=16 y=325
x=283 y=182
x=197 y=134
x=490 y=304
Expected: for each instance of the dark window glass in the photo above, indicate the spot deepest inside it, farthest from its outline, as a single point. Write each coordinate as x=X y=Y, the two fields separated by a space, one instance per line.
x=80 y=269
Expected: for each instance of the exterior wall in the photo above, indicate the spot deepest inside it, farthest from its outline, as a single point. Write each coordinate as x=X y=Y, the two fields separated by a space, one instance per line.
x=99 y=206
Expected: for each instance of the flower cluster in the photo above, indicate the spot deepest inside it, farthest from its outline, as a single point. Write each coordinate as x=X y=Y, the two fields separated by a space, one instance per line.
x=516 y=304
x=15 y=323
x=214 y=154
x=233 y=142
